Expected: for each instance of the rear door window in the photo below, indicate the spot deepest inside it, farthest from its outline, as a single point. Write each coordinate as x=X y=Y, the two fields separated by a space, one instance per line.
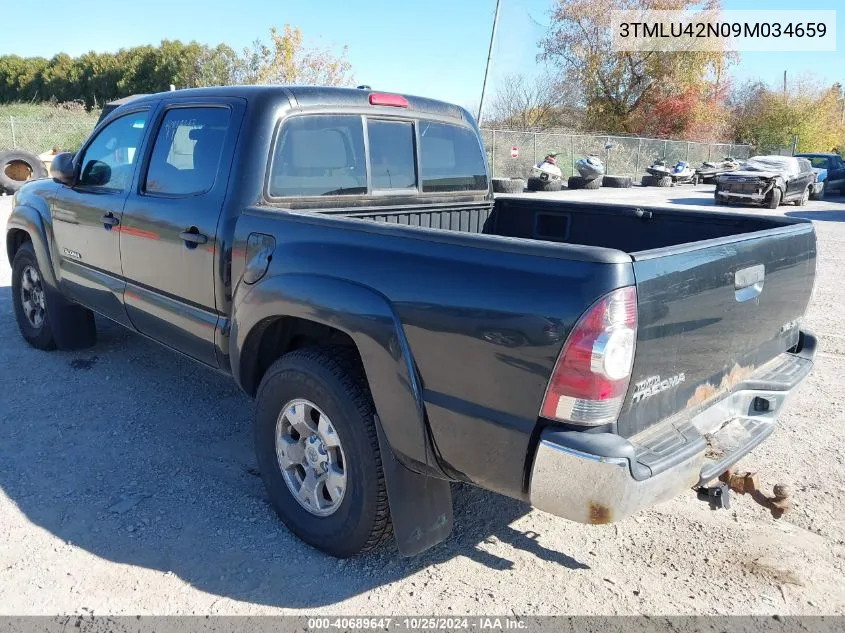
x=451 y=158
x=319 y=155
x=392 y=155
x=187 y=151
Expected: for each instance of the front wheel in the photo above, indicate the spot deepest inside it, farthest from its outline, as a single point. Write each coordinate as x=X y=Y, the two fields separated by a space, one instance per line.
x=318 y=453
x=773 y=200
x=30 y=300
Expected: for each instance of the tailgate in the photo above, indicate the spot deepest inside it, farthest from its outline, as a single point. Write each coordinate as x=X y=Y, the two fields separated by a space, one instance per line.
x=710 y=314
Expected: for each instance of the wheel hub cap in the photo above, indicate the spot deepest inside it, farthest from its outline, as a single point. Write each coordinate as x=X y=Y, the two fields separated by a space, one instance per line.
x=32 y=297
x=311 y=457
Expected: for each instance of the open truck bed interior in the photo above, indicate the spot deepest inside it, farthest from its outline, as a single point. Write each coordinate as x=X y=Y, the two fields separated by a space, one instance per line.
x=627 y=229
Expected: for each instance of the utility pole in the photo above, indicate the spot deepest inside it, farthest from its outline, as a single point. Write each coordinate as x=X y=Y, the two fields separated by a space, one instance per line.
x=489 y=57
x=784 y=84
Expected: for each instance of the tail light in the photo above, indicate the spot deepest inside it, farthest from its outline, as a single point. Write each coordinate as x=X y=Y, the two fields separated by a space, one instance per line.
x=385 y=99
x=592 y=372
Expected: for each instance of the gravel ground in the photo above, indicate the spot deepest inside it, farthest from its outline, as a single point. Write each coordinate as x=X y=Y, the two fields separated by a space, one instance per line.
x=128 y=486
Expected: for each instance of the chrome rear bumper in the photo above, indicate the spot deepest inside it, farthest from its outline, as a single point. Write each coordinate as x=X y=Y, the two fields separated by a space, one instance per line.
x=601 y=478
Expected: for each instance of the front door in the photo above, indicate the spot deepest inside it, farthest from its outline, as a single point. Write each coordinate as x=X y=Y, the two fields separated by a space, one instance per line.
x=86 y=216
x=168 y=235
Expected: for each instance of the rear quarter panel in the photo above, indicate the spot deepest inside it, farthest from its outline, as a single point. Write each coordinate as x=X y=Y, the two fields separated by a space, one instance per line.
x=484 y=319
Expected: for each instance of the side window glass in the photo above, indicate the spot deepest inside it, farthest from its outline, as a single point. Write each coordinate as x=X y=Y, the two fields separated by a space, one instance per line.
x=109 y=161
x=392 y=154
x=187 y=151
x=319 y=155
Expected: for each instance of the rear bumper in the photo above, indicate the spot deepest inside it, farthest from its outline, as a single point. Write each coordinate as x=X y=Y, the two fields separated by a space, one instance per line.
x=602 y=478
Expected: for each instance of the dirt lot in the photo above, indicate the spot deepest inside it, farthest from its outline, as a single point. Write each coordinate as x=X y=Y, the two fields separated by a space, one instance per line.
x=127 y=485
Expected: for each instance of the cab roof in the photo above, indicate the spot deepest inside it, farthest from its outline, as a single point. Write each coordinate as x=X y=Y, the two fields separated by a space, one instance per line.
x=313 y=96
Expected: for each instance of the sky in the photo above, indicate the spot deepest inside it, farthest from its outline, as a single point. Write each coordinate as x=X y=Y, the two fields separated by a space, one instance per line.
x=434 y=48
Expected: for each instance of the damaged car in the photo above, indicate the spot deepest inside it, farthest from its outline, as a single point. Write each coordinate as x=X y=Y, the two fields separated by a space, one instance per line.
x=768 y=180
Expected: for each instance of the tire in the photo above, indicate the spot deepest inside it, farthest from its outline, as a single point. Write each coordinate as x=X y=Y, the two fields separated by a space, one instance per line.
x=508 y=185
x=578 y=182
x=663 y=181
x=618 y=182
x=31 y=307
x=538 y=184
x=332 y=379
x=647 y=181
x=773 y=200
x=805 y=196
x=17 y=166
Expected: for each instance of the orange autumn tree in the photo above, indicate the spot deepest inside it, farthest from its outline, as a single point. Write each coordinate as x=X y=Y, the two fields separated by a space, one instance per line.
x=633 y=91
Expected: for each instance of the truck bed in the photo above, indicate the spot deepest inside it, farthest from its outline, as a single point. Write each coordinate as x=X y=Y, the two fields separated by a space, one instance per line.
x=627 y=229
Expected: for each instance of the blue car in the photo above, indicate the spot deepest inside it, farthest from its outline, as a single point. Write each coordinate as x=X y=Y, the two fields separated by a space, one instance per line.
x=830 y=172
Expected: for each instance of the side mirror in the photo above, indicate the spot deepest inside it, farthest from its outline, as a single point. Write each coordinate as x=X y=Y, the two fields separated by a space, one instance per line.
x=61 y=169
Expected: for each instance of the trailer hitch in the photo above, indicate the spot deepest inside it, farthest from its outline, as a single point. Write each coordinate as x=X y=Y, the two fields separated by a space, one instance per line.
x=719 y=496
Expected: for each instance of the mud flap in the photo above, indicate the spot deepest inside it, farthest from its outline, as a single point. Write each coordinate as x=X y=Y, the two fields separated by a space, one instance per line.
x=73 y=326
x=420 y=506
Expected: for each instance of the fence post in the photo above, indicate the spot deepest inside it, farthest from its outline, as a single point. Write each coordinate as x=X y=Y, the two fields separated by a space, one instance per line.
x=639 y=151
x=665 y=147
x=709 y=152
x=687 y=151
x=12 y=125
x=572 y=152
x=534 y=134
x=493 y=156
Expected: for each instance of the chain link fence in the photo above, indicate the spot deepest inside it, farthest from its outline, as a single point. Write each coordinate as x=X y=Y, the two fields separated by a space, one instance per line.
x=512 y=154
x=40 y=133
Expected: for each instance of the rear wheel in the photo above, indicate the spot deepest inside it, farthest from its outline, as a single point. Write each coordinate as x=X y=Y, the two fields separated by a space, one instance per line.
x=773 y=199
x=805 y=196
x=318 y=453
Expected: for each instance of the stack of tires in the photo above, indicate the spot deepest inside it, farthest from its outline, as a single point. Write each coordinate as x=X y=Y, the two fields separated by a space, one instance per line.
x=18 y=166
x=508 y=185
x=615 y=182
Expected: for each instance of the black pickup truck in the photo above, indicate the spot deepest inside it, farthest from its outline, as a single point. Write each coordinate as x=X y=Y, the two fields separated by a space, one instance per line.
x=339 y=252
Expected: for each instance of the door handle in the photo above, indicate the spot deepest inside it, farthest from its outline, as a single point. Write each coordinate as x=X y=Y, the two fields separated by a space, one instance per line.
x=109 y=221
x=192 y=237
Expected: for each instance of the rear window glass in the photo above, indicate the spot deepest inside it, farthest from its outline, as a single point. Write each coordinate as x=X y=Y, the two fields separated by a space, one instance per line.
x=819 y=161
x=319 y=156
x=451 y=158
x=392 y=154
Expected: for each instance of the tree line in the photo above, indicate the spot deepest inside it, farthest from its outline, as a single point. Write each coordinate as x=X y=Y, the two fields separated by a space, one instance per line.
x=96 y=78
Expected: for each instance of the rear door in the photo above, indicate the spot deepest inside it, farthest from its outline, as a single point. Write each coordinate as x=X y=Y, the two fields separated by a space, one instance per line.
x=710 y=314
x=168 y=236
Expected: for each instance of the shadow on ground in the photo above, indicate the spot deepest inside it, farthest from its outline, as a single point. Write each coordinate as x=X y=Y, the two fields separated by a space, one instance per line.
x=142 y=457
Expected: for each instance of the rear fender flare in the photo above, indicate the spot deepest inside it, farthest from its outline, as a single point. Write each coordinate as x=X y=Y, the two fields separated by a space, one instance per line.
x=368 y=318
